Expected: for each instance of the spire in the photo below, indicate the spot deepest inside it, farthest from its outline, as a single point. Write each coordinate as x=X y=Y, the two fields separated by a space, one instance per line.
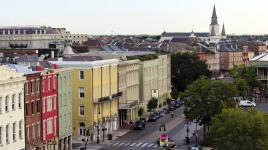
x=212 y=31
x=214 y=18
x=223 y=30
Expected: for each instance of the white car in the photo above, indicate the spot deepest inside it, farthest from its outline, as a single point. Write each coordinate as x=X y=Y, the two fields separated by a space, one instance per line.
x=247 y=103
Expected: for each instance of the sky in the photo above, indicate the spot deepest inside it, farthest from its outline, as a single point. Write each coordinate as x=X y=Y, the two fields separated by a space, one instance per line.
x=97 y=17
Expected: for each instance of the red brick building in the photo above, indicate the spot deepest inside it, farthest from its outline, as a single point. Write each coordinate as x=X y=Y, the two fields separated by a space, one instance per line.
x=32 y=110
x=49 y=96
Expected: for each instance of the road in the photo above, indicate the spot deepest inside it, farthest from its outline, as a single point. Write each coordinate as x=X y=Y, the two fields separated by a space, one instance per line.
x=146 y=139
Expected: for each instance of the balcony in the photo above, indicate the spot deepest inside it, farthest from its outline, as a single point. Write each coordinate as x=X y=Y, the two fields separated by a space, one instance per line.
x=129 y=105
x=107 y=98
x=262 y=77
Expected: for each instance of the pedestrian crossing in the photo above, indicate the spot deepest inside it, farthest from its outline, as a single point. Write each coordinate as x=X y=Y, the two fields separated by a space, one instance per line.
x=134 y=144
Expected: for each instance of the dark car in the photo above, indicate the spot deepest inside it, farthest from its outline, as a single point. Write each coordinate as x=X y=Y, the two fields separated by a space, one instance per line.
x=171 y=107
x=177 y=104
x=166 y=110
x=139 y=125
x=158 y=115
x=143 y=120
x=152 y=118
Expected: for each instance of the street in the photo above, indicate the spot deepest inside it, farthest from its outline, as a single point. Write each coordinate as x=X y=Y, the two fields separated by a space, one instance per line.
x=146 y=139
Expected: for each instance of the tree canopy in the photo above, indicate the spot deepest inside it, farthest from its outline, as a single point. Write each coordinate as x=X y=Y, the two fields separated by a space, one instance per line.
x=152 y=104
x=186 y=68
x=207 y=98
x=245 y=78
x=236 y=129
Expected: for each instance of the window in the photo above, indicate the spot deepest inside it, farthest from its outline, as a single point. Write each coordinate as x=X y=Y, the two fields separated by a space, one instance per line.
x=6 y=103
x=49 y=126
x=20 y=105
x=44 y=105
x=14 y=132
x=82 y=110
x=7 y=134
x=81 y=74
x=81 y=92
x=49 y=104
x=20 y=129
x=32 y=87
x=38 y=130
x=32 y=107
x=38 y=106
x=13 y=102
x=33 y=131
x=26 y=88
x=43 y=85
x=48 y=83
x=55 y=102
x=54 y=82
x=55 y=126
x=37 y=84
x=27 y=109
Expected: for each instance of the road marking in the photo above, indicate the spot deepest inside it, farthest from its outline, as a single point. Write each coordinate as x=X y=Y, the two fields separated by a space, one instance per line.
x=126 y=144
x=155 y=146
x=115 y=143
x=132 y=144
x=121 y=144
x=150 y=145
x=138 y=144
x=144 y=144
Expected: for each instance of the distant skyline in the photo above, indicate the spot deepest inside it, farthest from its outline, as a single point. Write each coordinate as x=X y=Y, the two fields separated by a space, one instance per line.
x=97 y=17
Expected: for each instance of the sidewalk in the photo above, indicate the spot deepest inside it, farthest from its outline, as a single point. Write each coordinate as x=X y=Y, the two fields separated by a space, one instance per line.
x=93 y=145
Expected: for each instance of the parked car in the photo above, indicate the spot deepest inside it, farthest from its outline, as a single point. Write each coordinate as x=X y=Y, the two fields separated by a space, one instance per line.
x=158 y=115
x=166 y=110
x=152 y=118
x=143 y=119
x=247 y=103
x=177 y=104
x=139 y=125
x=171 y=107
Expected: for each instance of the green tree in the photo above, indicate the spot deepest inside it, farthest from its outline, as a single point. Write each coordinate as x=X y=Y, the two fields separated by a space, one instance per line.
x=207 y=98
x=140 y=111
x=248 y=74
x=186 y=68
x=241 y=86
x=236 y=129
x=152 y=104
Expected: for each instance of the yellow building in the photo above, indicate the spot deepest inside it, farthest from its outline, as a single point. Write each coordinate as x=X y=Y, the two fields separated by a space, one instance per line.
x=94 y=96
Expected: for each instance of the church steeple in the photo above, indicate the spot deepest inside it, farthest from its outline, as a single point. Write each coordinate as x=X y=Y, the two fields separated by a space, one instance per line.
x=214 y=18
x=223 y=31
x=213 y=31
x=214 y=27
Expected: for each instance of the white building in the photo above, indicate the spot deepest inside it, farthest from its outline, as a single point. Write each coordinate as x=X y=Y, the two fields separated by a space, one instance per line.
x=11 y=109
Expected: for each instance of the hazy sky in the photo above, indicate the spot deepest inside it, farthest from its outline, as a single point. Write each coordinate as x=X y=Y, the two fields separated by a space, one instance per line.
x=137 y=16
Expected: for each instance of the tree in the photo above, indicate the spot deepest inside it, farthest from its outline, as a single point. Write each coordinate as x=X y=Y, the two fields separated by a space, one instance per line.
x=140 y=111
x=248 y=74
x=207 y=98
x=241 y=86
x=169 y=101
x=152 y=104
x=236 y=129
x=186 y=68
